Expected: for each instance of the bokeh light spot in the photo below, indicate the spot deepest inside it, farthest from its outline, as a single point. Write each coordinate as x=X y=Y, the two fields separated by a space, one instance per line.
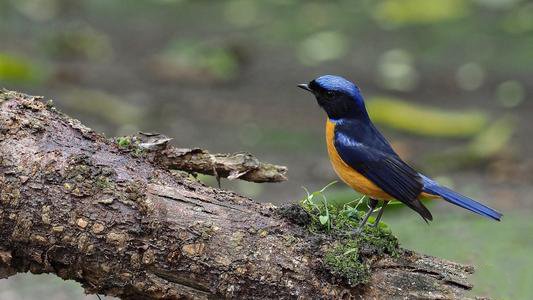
x=322 y=46
x=510 y=93
x=396 y=70
x=470 y=76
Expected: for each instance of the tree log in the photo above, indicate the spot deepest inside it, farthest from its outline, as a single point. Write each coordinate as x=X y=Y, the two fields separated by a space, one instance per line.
x=78 y=205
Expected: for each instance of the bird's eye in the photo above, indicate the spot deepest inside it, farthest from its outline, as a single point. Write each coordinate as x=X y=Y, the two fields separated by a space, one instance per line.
x=330 y=94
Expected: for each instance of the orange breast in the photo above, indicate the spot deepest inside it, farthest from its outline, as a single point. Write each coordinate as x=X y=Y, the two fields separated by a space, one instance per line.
x=350 y=176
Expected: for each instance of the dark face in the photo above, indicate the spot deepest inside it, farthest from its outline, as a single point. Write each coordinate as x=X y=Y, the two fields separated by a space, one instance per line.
x=337 y=103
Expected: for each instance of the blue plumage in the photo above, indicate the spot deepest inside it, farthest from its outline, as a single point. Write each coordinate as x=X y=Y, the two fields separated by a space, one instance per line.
x=363 y=148
x=432 y=187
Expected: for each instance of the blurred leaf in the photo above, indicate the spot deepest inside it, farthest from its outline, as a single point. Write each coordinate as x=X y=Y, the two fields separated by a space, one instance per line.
x=488 y=143
x=492 y=140
x=424 y=120
x=419 y=11
x=16 y=69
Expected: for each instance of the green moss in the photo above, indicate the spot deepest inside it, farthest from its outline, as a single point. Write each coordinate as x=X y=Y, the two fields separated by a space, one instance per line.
x=124 y=141
x=344 y=261
x=379 y=241
x=83 y=178
x=131 y=144
x=347 y=259
x=103 y=182
x=138 y=152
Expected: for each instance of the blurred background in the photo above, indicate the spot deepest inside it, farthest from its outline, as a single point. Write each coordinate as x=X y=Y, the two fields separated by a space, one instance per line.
x=448 y=81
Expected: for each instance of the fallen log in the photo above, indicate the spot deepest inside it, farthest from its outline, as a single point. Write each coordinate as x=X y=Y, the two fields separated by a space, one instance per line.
x=111 y=215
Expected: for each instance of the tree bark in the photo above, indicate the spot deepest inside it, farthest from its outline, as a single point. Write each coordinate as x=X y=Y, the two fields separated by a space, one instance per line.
x=116 y=220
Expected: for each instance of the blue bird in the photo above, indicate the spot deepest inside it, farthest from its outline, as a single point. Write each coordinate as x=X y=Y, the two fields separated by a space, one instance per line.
x=365 y=160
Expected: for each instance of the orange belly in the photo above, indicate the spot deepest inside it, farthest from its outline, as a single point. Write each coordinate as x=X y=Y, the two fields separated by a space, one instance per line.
x=350 y=176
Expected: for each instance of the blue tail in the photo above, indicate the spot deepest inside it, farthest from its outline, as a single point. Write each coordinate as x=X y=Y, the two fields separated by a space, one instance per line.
x=434 y=188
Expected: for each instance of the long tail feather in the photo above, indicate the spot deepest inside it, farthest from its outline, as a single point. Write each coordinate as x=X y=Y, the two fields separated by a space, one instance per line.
x=453 y=197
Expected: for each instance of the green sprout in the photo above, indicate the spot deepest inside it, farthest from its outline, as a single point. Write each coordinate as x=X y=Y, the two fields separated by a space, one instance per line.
x=327 y=216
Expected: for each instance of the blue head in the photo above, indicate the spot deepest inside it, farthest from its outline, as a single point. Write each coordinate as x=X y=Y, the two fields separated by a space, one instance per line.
x=339 y=97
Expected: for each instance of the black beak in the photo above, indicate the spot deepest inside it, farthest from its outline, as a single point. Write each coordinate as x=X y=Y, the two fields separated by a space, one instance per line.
x=305 y=86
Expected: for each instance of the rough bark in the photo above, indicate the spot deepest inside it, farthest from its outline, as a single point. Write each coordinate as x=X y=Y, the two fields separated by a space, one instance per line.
x=75 y=204
x=242 y=165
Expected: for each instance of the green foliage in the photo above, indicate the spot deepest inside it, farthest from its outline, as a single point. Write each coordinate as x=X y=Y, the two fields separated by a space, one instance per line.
x=324 y=216
x=487 y=144
x=399 y=12
x=124 y=141
x=14 y=68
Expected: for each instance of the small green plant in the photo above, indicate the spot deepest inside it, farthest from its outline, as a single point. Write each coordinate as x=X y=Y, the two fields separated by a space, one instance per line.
x=347 y=258
x=326 y=216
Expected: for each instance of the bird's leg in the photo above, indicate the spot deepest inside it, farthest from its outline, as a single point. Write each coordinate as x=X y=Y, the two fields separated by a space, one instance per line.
x=380 y=213
x=372 y=203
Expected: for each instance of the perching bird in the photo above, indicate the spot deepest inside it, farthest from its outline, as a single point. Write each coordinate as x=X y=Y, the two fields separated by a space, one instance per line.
x=365 y=160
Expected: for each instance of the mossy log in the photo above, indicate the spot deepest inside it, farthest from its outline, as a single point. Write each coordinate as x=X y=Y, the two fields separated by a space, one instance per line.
x=80 y=206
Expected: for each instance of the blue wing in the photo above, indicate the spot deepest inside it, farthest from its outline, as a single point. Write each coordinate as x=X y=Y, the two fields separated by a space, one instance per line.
x=362 y=147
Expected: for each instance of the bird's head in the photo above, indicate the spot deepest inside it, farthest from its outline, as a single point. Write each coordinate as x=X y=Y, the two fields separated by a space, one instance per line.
x=339 y=97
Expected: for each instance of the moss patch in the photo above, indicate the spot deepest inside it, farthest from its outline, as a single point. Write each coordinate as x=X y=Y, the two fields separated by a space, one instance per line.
x=348 y=257
x=296 y=214
x=344 y=261
x=130 y=144
x=378 y=241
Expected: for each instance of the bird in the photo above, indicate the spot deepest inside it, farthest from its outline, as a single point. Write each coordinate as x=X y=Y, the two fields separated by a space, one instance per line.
x=363 y=158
